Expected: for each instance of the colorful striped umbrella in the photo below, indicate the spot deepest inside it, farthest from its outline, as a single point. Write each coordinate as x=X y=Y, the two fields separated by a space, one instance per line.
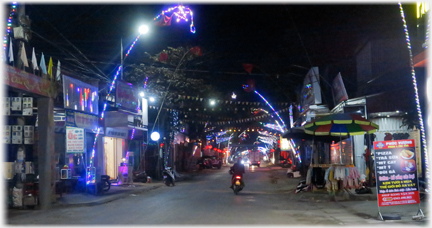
x=340 y=124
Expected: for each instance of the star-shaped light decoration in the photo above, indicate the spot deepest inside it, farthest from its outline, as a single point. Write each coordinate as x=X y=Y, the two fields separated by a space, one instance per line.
x=233 y=96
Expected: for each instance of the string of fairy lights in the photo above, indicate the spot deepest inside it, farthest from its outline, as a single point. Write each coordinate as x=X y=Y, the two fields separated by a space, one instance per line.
x=181 y=12
x=415 y=89
x=291 y=116
x=283 y=127
x=6 y=37
x=138 y=106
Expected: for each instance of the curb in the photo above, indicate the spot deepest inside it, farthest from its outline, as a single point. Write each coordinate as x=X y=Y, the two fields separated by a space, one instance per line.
x=103 y=201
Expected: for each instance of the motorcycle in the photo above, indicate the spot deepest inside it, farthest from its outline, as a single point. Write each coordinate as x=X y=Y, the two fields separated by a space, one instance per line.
x=168 y=177
x=238 y=185
x=106 y=184
x=140 y=176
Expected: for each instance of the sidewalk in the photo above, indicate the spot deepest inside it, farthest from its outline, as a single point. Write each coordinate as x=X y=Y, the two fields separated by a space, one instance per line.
x=114 y=193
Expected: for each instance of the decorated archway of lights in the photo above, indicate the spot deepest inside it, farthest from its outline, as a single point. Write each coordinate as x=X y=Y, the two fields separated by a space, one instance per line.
x=283 y=127
x=181 y=15
x=414 y=78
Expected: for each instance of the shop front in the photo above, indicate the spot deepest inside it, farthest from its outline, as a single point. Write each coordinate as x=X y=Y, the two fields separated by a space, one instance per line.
x=81 y=109
x=29 y=138
x=123 y=142
x=114 y=148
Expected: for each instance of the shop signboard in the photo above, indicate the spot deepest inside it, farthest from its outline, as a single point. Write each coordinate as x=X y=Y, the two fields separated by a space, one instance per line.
x=339 y=91
x=81 y=120
x=80 y=96
x=116 y=133
x=20 y=79
x=396 y=172
x=125 y=96
x=284 y=144
x=311 y=91
x=75 y=140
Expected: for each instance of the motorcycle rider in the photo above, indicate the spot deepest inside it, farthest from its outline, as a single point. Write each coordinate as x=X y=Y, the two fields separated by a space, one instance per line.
x=237 y=170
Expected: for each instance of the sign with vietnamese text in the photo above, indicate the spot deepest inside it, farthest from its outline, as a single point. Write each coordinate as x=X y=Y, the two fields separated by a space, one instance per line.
x=20 y=79
x=116 y=133
x=396 y=172
x=74 y=140
x=81 y=120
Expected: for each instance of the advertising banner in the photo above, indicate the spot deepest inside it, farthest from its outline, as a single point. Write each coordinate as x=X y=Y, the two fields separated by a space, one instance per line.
x=74 y=140
x=125 y=97
x=80 y=96
x=311 y=91
x=339 y=91
x=396 y=172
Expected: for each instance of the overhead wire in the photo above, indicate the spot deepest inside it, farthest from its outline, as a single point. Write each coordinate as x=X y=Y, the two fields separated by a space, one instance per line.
x=66 y=51
x=102 y=73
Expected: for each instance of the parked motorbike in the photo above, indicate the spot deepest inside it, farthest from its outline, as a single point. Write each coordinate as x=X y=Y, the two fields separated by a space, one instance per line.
x=168 y=177
x=140 y=176
x=106 y=184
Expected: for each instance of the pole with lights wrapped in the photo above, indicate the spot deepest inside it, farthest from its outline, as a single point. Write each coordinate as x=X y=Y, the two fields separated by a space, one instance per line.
x=417 y=99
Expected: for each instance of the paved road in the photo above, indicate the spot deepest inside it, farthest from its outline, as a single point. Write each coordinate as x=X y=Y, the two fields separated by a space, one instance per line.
x=267 y=199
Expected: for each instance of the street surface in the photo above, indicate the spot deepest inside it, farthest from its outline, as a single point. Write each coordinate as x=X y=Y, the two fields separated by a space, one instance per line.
x=268 y=199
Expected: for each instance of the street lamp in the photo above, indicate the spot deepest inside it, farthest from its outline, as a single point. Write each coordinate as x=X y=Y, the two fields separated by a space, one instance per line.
x=141 y=94
x=155 y=136
x=152 y=99
x=143 y=29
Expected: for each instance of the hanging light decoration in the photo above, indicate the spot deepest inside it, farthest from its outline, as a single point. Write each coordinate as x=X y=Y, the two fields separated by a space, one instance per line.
x=416 y=91
x=181 y=13
x=277 y=114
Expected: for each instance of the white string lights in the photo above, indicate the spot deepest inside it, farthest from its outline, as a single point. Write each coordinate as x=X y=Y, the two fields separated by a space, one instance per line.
x=416 y=90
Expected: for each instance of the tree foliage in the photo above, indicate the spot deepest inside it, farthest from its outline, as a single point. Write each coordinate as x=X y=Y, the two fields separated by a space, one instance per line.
x=163 y=73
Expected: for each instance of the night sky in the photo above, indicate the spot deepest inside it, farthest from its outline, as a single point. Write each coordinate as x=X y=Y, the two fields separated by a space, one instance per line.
x=283 y=40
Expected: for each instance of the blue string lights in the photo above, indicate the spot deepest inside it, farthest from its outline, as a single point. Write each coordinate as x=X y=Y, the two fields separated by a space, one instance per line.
x=277 y=114
x=294 y=150
x=423 y=136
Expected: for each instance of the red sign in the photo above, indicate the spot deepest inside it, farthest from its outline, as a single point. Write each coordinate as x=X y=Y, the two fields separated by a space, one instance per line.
x=399 y=198
x=396 y=172
x=19 y=79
